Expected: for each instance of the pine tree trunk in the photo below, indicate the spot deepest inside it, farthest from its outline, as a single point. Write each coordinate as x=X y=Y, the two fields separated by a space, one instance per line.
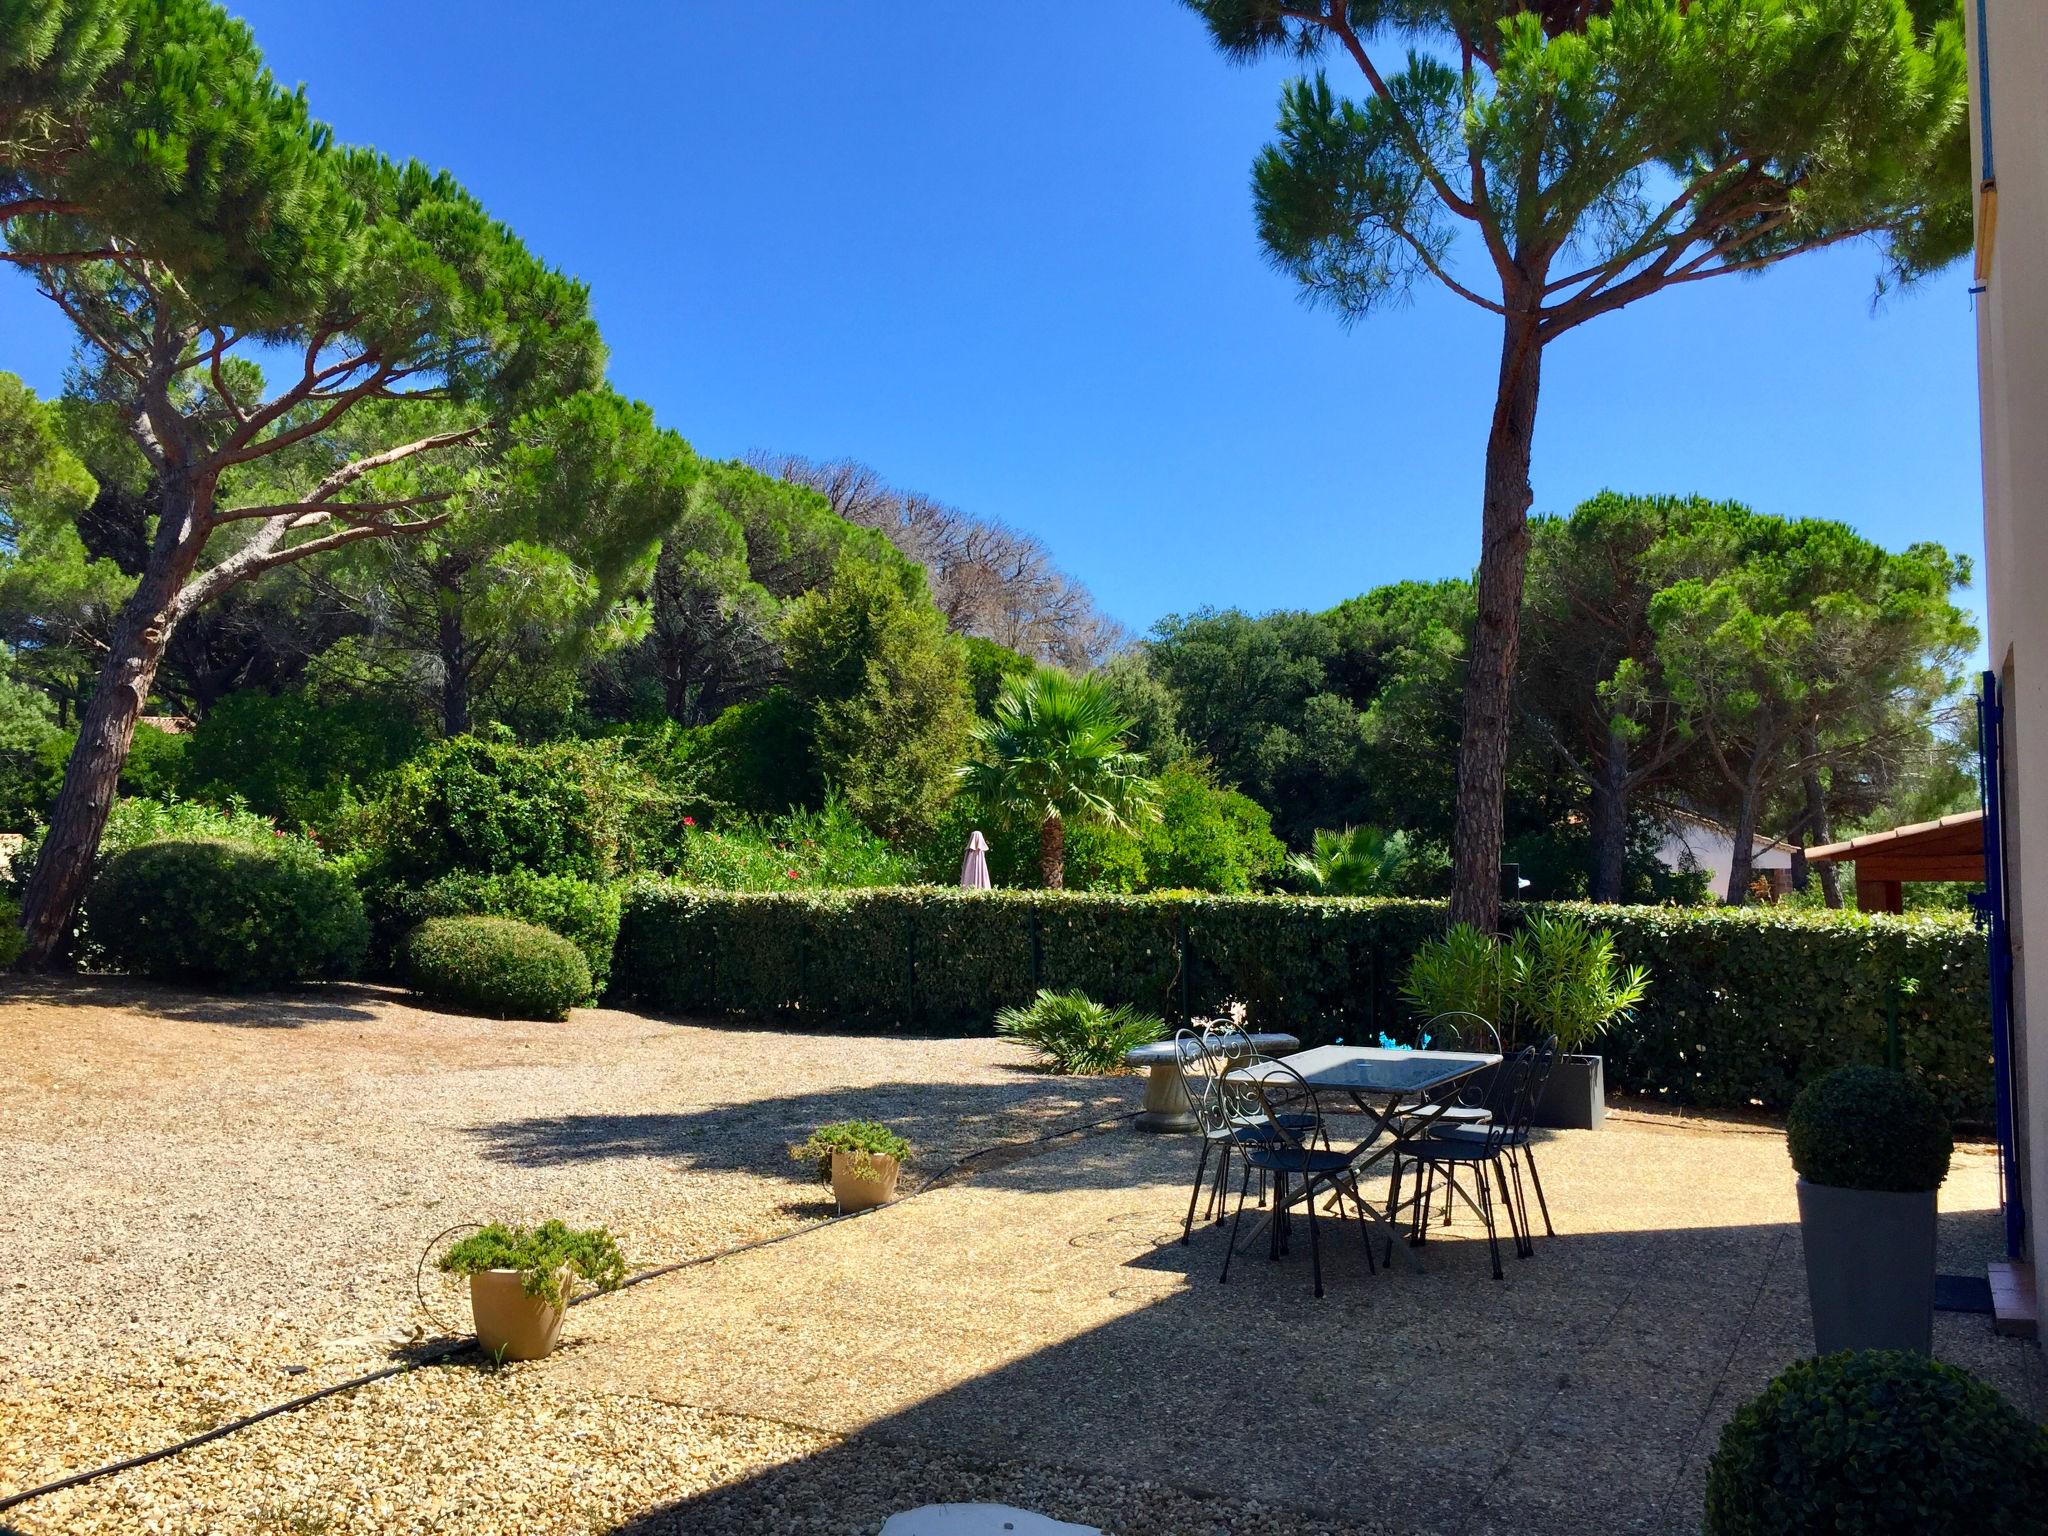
x=1052 y=853
x=106 y=730
x=1818 y=829
x=1607 y=813
x=1742 y=860
x=1490 y=672
x=454 y=667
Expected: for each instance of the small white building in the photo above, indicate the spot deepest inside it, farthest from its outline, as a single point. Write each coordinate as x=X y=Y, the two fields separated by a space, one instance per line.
x=1696 y=843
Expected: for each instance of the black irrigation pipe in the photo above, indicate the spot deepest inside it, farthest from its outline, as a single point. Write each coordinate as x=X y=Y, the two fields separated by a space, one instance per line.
x=455 y=1346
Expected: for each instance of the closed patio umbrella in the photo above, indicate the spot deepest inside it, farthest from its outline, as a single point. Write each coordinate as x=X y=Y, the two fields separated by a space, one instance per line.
x=974 y=865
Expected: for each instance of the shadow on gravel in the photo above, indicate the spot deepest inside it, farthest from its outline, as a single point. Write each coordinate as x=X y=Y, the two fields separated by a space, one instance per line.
x=941 y=1117
x=329 y=1003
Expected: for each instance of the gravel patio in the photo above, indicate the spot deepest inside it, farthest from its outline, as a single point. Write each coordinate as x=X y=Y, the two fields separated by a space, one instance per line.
x=218 y=1204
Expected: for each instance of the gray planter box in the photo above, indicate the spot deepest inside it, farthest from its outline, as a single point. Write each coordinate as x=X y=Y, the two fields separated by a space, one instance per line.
x=1575 y=1098
x=1869 y=1267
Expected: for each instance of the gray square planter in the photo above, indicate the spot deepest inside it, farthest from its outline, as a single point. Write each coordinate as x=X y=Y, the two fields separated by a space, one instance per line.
x=1575 y=1098
x=1869 y=1267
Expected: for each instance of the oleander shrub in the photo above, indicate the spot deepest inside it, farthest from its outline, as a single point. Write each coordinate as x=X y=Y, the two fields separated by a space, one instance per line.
x=585 y=912
x=1876 y=1442
x=1869 y=1128
x=496 y=965
x=226 y=913
x=1074 y=1033
x=1746 y=1007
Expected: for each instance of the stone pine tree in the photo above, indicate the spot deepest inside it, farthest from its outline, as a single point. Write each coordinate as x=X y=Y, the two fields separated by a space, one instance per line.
x=381 y=285
x=1552 y=161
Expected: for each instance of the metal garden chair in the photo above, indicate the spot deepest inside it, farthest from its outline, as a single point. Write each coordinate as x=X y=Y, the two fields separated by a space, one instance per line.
x=1286 y=1150
x=1485 y=1150
x=1222 y=1119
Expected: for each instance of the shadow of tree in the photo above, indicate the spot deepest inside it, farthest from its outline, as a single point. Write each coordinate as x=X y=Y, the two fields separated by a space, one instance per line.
x=318 y=1003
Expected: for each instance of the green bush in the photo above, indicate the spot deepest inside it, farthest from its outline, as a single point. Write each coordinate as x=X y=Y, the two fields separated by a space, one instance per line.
x=294 y=757
x=1748 y=1006
x=824 y=847
x=496 y=965
x=584 y=912
x=1871 y=1442
x=577 y=808
x=226 y=913
x=1869 y=1128
x=540 y=1254
x=1076 y=1034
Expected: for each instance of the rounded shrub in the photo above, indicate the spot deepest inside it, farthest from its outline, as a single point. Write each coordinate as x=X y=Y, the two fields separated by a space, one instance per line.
x=1874 y=1442
x=226 y=913
x=496 y=965
x=1869 y=1128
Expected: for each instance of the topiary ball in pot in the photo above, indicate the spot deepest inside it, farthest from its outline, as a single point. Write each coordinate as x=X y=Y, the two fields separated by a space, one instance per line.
x=496 y=965
x=1869 y=1128
x=1873 y=1442
x=229 y=914
x=1871 y=1147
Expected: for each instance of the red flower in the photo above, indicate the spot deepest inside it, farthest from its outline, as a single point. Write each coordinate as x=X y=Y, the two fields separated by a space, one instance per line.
x=689 y=821
x=793 y=874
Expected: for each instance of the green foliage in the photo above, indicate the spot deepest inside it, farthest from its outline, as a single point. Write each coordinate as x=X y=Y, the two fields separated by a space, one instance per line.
x=1206 y=838
x=1358 y=861
x=1556 y=975
x=575 y=808
x=865 y=1140
x=1877 y=1443
x=886 y=688
x=496 y=965
x=759 y=756
x=1075 y=1034
x=821 y=848
x=32 y=752
x=989 y=667
x=1748 y=1007
x=10 y=931
x=226 y=913
x=1869 y=1128
x=293 y=757
x=584 y=912
x=541 y=1255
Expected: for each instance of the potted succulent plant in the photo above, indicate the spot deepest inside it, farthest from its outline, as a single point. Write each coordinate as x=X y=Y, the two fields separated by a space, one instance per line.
x=520 y=1280
x=1871 y=1147
x=860 y=1157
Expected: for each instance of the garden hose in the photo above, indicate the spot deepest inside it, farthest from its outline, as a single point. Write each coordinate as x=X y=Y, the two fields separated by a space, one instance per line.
x=442 y=1351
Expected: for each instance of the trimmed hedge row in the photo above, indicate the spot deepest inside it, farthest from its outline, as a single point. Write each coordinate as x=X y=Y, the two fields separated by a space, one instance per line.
x=1746 y=1005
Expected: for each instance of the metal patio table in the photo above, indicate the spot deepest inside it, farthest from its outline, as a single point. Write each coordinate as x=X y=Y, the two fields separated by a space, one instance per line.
x=1391 y=1088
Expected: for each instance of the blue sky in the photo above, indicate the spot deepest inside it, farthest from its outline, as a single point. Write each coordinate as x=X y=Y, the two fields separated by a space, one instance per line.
x=1012 y=265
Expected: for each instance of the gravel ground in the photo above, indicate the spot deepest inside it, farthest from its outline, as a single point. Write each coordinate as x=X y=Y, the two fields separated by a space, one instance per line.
x=218 y=1203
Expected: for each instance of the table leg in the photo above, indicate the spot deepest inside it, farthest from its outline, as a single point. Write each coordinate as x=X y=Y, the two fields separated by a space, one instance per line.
x=1166 y=1106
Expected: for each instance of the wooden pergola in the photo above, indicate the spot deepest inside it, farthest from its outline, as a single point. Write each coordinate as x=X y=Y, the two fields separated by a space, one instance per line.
x=1949 y=849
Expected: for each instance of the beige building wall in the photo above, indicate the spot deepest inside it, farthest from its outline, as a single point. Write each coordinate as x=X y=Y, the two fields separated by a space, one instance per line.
x=2012 y=342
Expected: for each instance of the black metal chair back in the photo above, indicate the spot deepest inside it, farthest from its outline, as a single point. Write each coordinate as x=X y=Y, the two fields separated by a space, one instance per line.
x=1542 y=1061
x=1462 y=1031
x=1282 y=1100
x=1201 y=1081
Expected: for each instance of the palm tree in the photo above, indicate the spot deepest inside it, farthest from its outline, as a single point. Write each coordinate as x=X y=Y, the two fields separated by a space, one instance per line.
x=1052 y=751
x=1359 y=861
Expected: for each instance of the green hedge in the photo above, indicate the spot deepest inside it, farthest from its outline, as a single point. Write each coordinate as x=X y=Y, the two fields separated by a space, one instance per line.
x=1745 y=1005
x=585 y=912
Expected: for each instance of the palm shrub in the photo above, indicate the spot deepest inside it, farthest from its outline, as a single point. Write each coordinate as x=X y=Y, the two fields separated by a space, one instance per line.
x=1358 y=861
x=1052 y=750
x=1875 y=1442
x=1557 y=976
x=496 y=965
x=225 y=913
x=1076 y=1034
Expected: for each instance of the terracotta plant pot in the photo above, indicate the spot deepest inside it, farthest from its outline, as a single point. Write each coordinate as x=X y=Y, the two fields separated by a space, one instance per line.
x=861 y=1189
x=511 y=1325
